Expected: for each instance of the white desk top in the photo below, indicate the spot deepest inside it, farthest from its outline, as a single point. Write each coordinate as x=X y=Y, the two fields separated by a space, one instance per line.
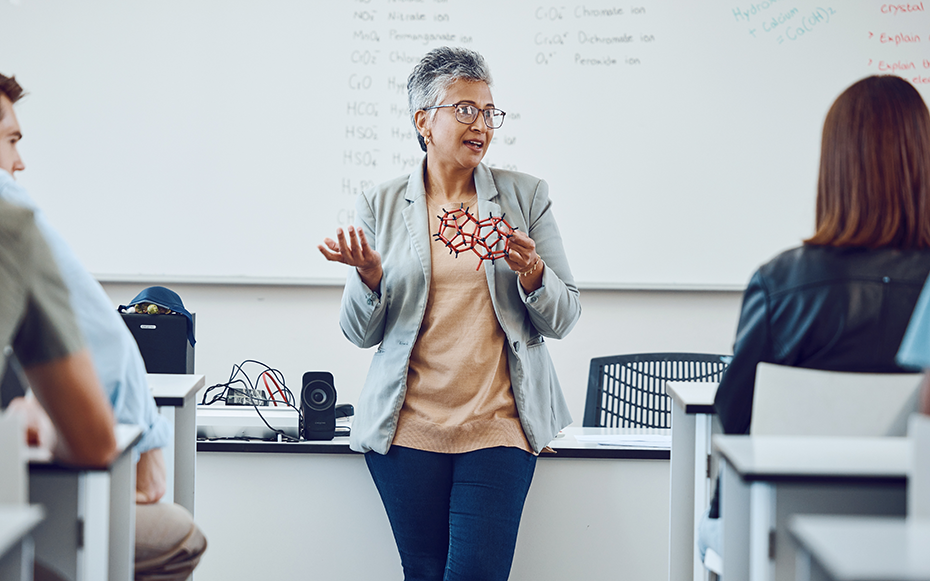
x=780 y=457
x=856 y=548
x=16 y=521
x=695 y=397
x=605 y=438
x=171 y=389
x=126 y=436
x=565 y=446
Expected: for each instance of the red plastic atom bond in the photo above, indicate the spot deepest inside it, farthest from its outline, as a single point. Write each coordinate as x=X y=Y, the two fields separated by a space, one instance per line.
x=461 y=231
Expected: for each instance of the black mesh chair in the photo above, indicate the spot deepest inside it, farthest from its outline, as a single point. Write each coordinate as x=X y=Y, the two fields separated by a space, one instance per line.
x=628 y=391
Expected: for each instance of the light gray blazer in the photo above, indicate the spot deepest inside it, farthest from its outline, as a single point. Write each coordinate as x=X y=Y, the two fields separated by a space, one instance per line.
x=394 y=218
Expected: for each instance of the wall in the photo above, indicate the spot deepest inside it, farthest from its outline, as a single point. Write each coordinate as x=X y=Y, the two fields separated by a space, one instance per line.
x=296 y=329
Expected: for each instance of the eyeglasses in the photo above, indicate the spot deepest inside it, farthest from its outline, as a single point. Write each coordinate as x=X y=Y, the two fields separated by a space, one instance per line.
x=465 y=113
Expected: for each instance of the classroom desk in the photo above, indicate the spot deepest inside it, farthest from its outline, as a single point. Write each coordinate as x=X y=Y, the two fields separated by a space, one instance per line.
x=692 y=419
x=766 y=479
x=175 y=395
x=848 y=548
x=16 y=546
x=312 y=511
x=89 y=530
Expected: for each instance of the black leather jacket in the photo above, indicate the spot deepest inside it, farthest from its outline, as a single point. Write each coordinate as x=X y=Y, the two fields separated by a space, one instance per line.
x=839 y=309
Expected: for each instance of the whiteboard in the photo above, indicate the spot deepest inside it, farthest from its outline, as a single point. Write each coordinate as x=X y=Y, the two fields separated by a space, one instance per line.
x=221 y=141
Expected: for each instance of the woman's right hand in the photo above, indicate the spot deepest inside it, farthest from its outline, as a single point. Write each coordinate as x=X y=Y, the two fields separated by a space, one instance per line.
x=353 y=250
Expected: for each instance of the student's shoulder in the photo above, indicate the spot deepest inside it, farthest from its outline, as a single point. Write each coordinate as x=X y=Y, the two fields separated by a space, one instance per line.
x=811 y=266
x=801 y=267
x=17 y=224
x=25 y=257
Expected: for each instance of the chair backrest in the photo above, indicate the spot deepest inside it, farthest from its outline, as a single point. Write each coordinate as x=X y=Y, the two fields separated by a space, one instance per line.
x=628 y=391
x=13 y=383
x=13 y=482
x=918 y=481
x=812 y=402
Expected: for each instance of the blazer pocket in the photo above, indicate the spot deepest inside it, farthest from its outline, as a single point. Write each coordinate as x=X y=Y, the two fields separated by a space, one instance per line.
x=536 y=341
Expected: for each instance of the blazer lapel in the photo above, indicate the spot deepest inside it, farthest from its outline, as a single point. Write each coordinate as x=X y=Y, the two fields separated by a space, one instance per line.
x=417 y=221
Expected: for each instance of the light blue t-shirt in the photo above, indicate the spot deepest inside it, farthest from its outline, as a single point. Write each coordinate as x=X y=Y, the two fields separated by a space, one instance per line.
x=116 y=356
x=914 y=352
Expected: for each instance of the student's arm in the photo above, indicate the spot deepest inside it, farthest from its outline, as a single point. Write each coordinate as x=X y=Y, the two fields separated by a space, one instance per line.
x=733 y=400
x=151 y=477
x=68 y=389
x=48 y=344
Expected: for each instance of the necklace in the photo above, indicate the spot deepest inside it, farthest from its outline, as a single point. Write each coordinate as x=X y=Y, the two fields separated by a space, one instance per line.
x=451 y=205
x=448 y=205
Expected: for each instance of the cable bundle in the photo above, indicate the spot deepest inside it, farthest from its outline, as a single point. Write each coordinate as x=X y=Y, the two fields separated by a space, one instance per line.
x=273 y=393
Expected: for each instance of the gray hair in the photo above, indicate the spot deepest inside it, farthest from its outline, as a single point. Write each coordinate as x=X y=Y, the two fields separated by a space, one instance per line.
x=434 y=74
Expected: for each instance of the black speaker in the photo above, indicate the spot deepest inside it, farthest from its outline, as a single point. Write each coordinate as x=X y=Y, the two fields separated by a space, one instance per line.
x=162 y=340
x=318 y=405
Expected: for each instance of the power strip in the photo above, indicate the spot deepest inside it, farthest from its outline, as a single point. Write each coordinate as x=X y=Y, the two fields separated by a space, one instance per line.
x=246 y=396
x=238 y=422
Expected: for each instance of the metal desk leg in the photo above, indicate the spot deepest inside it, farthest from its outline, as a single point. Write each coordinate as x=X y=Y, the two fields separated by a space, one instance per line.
x=682 y=505
x=734 y=512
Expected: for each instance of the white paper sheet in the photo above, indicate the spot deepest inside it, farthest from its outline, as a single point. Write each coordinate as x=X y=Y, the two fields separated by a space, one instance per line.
x=628 y=440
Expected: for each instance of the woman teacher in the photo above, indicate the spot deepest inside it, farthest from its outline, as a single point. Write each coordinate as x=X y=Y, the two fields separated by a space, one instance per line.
x=461 y=395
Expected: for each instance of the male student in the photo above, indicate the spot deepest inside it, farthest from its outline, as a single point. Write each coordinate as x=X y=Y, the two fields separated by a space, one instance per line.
x=36 y=320
x=168 y=543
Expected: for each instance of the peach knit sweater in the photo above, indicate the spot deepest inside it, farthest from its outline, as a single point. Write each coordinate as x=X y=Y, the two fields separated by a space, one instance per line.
x=458 y=383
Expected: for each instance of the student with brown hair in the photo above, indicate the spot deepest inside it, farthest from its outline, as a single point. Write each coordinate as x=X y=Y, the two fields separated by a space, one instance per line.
x=842 y=301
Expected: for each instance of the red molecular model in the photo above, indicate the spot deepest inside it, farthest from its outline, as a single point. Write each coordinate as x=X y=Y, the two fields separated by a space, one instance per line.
x=461 y=231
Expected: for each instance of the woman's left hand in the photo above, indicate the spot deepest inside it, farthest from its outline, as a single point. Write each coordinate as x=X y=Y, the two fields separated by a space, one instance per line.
x=524 y=260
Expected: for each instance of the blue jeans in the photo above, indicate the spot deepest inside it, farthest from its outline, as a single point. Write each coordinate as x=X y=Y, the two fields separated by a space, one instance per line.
x=454 y=516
